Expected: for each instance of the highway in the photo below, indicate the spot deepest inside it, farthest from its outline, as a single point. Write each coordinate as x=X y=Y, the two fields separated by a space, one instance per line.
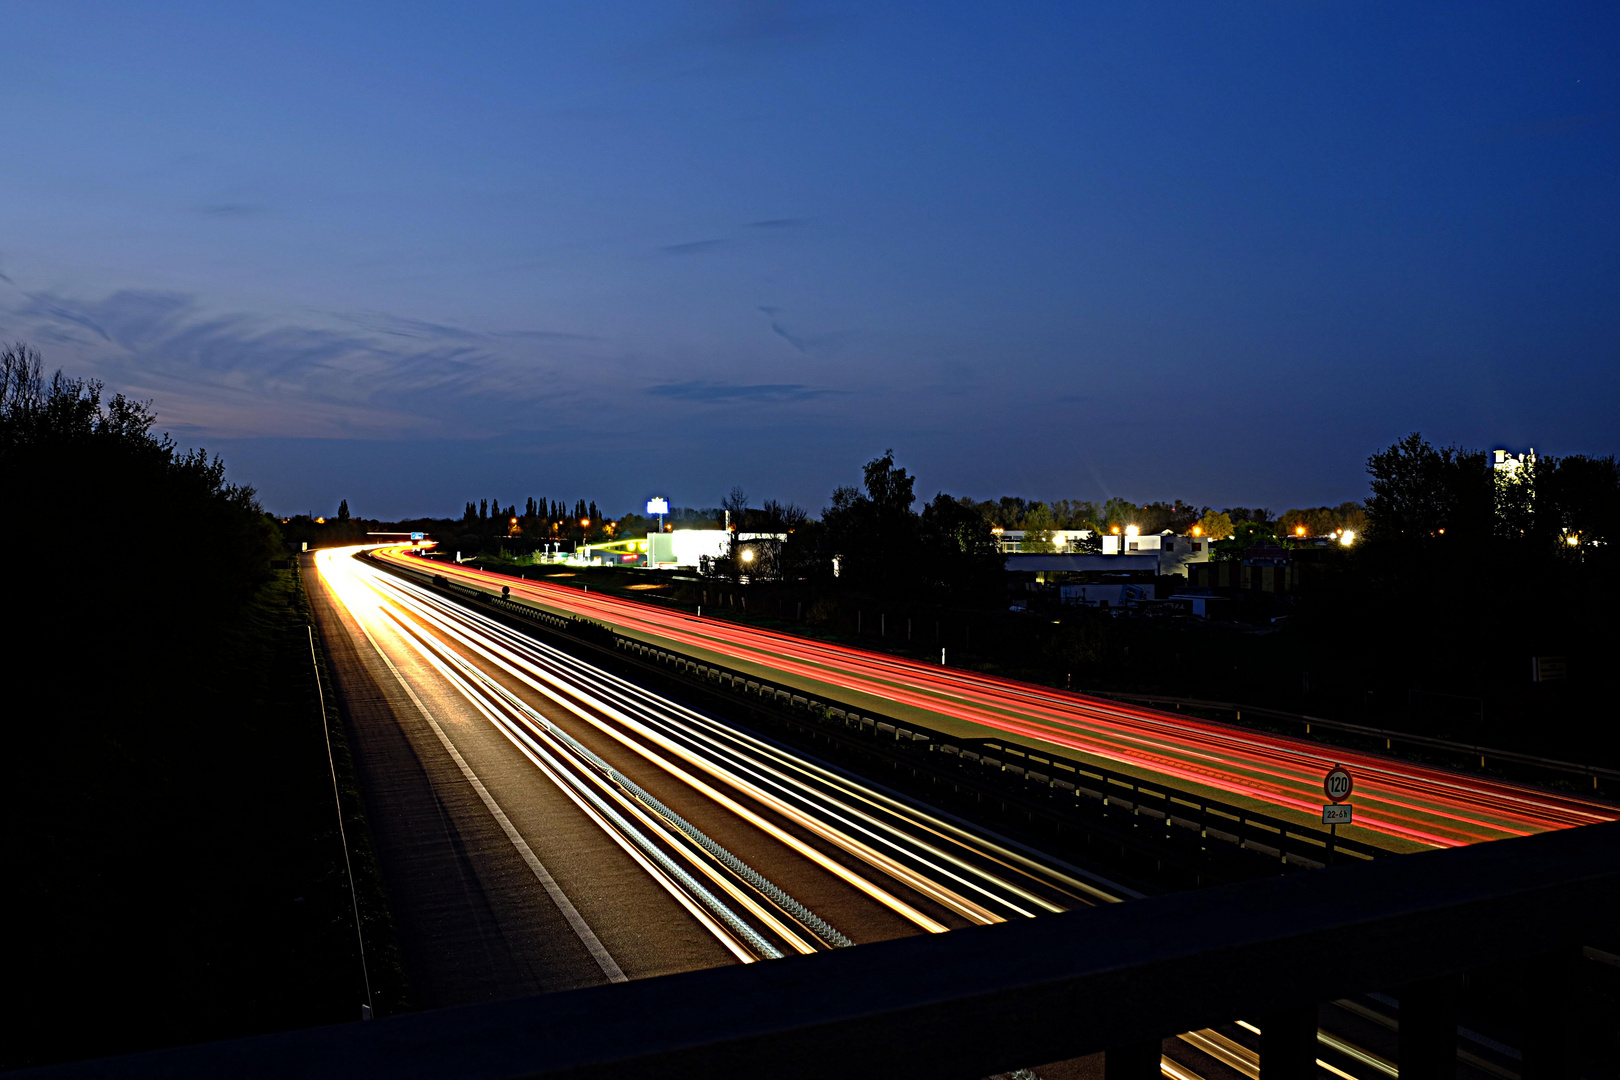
x=739 y=849
x=661 y=839
x=1400 y=805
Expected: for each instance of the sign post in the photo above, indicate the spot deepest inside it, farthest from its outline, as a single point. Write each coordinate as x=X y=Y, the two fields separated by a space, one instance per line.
x=660 y=506
x=1337 y=784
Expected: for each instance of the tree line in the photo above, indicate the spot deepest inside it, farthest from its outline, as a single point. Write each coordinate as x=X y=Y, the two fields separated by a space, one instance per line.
x=65 y=444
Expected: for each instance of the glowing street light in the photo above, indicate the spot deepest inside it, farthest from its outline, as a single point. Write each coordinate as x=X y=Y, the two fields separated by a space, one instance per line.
x=1347 y=537
x=1131 y=530
x=1299 y=530
x=747 y=554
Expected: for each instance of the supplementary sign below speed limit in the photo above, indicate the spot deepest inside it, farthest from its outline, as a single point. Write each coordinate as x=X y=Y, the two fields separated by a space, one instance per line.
x=1334 y=814
x=1338 y=784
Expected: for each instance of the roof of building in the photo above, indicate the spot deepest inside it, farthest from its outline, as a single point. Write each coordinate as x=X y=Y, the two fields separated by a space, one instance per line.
x=1267 y=553
x=1148 y=560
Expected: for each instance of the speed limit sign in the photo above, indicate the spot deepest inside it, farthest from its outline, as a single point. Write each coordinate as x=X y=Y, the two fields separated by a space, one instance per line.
x=1338 y=784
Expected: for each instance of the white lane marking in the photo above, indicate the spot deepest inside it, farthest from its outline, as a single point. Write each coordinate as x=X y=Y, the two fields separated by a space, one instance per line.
x=831 y=865
x=576 y=921
x=670 y=874
x=699 y=728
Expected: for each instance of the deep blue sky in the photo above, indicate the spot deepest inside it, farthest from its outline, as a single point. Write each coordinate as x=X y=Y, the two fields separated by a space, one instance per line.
x=411 y=255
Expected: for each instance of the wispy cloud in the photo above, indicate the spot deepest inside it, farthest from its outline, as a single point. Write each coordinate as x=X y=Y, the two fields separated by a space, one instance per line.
x=419 y=329
x=369 y=375
x=719 y=392
x=695 y=247
x=778 y=223
x=717 y=36
x=543 y=335
x=776 y=328
x=807 y=344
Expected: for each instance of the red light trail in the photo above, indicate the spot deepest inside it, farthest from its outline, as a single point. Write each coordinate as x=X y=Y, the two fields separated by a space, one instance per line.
x=1395 y=800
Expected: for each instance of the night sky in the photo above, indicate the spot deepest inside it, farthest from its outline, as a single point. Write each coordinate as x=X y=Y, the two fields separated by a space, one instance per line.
x=414 y=255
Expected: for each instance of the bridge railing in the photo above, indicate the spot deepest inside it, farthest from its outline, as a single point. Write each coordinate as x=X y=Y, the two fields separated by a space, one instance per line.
x=975 y=1002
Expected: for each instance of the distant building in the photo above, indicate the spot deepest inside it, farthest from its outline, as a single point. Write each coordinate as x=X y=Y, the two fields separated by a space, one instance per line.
x=1060 y=569
x=1175 y=553
x=1116 y=594
x=1054 y=569
x=1264 y=568
x=686 y=548
x=1263 y=554
x=1505 y=461
x=682 y=549
x=1203 y=606
x=1012 y=540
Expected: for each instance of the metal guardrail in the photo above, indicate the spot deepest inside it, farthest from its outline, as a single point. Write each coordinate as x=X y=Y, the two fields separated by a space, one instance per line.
x=1174 y=816
x=974 y=1002
x=1066 y=780
x=1596 y=772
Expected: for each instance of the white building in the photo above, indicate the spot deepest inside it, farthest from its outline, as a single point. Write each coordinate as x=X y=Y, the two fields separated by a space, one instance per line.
x=1505 y=461
x=683 y=548
x=687 y=548
x=1175 y=553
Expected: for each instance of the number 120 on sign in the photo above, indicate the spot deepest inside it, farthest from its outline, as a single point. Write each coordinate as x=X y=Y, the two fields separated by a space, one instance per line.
x=1337 y=784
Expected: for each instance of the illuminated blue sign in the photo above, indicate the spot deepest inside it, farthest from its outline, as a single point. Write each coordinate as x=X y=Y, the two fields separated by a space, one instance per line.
x=658 y=506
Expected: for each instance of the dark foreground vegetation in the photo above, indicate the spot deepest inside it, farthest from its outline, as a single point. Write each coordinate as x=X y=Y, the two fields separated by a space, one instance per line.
x=173 y=864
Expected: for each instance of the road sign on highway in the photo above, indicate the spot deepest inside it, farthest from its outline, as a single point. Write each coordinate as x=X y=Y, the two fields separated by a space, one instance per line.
x=418 y=536
x=1334 y=814
x=1338 y=784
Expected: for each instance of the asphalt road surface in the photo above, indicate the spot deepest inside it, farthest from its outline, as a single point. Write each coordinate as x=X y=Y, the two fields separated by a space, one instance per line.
x=544 y=825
